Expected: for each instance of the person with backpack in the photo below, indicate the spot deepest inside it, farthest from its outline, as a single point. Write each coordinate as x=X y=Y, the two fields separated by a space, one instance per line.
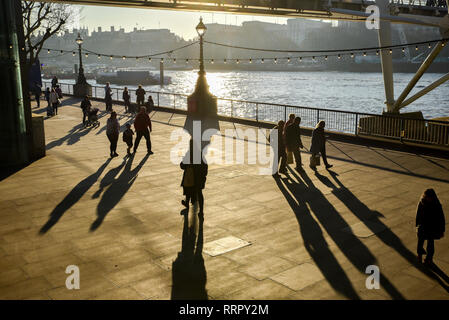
x=430 y=224
x=54 y=101
x=128 y=138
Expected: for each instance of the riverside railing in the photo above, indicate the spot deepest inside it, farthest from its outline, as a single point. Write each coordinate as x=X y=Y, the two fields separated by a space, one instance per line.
x=364 y=124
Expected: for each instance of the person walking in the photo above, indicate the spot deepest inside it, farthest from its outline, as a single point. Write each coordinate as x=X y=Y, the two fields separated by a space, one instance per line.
x=150 y=104
x=85 y=106
x=319 y=144
x=47 y=96
x=126 y=98
x=54 y=101
x=291 y=119
x=280 y=148
x=37 y=94
x=113 y=131
x=54 y=82
x=58 y=91
x=194 y=180
x=142 y=123
x=430 y=224
x=128 y=138
x=140 y=94
x=294 y=142
x=108 y=97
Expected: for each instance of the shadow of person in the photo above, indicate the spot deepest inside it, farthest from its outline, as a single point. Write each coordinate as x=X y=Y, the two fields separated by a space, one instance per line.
x=117 y=189
x=366 y=215
x=72 y=137
x=72 y=197
x=314 y=241
x=108 y=179
x=340 y=232
x=189 y=276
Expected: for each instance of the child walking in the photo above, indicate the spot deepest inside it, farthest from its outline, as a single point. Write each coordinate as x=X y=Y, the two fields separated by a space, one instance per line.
x=128 y=137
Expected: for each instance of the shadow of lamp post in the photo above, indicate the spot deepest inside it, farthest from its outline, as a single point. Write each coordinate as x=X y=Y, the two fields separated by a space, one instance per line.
x=81 y=88
x=201 y=104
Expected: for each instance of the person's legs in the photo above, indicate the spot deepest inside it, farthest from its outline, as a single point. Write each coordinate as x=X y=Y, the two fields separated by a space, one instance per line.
x=430 y=250
x=38 y=101
x=110 y=145
x=313 y=157
x=147 y=138
x=114 y=144
x=297 y=155
x=420 y=248
x=84 y=117
x=323 y=154
x=282 y=157
x=200 y=200
x=55 y=108
x=139 y=135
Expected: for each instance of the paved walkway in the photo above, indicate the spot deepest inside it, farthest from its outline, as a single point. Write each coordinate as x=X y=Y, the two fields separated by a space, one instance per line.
x=311 y=235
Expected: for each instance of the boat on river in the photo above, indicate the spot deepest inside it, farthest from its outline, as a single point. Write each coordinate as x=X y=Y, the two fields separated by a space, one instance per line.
x=131 y=77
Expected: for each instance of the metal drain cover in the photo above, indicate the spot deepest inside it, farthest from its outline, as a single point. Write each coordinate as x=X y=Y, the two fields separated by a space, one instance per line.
x=223 y=245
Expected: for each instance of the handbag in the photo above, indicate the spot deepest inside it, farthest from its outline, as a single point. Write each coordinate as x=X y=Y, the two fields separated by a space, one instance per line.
x=315 y=160
x=289 y=157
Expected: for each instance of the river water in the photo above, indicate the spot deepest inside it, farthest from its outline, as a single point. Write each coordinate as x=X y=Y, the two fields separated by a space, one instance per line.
x=347 y=91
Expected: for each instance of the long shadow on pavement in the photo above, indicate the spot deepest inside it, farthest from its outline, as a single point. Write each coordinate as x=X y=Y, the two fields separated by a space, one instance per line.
x=189 y=274
x=337 y=228
x=117 y=189
x=72 y=197
x=366 y=215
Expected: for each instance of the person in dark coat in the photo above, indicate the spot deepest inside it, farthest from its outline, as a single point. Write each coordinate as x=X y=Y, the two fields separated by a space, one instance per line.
x=108 y=97
x=47 y=96
x=37 y=94
x=142 y=123
x=85 y=106
x=54 y=82
x=291 y=119
x=281 y=153
x=194 y=179
x=294 y=142
x=128 y=138
x=430 y=223
x=319 y=143
x=150 y=104
x=126 y=98
x=112 y=132
x=140 y=96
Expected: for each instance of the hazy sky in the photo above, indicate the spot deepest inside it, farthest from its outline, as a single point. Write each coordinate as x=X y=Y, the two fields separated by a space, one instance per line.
x=181 y=23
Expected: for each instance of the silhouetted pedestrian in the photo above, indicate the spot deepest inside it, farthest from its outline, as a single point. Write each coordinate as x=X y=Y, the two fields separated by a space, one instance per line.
x=54 y=101
x=128 y=138
x=294 y=142
x=108 y=97
x=85 y=106
x=430 y=223
x=113 y=131
x=319 y=144
x=126 y=98
x=291 y=118
x=54 y=82
x=193 y=190
x=279 y=147
x=37 y=94
x=142 y=123
x=58 y=91
x=150 y=104
x=140 y=96
x=47 y=96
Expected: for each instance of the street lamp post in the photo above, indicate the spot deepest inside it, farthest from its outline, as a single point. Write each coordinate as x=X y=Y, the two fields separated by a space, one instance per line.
x=201 y=104
x=81 y=88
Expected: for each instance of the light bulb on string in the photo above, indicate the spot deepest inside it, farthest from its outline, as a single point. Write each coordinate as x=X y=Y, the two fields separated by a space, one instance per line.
x=391 y=51
x=48 y=51
x=416 y=48
x=187 y=61
x=288 y=59
x=123 y=57
x=364 y=54
x=313 y=58
x=87 y=55
x=162 y=60
x=99 y=56
x=325 y=58
x=149 y=59
x=224 y=61
x=10 y=46
x=174 y=60
x=137 y=58
x=262 y=60
x=73 y=53
x=250 y=60
x=300 y=59
x=429 y=46
x=60 y=51
x=238 y=61
x=352 y=54
x=212 y=61
x=275 y=60
x=442 y=44
x=377 y=52
x=339 y=56
x=403 y=50
x=110 y=57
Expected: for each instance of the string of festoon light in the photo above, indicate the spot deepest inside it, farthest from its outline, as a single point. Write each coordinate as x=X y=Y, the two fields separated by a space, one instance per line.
x=295 y=55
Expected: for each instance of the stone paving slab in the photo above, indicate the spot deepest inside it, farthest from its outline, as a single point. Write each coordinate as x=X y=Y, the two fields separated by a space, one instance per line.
x=119 y=221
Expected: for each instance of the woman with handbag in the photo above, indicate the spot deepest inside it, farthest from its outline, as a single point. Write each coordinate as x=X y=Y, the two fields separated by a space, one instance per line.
x=319 y=145
x=430 y=224
x=54 y=101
